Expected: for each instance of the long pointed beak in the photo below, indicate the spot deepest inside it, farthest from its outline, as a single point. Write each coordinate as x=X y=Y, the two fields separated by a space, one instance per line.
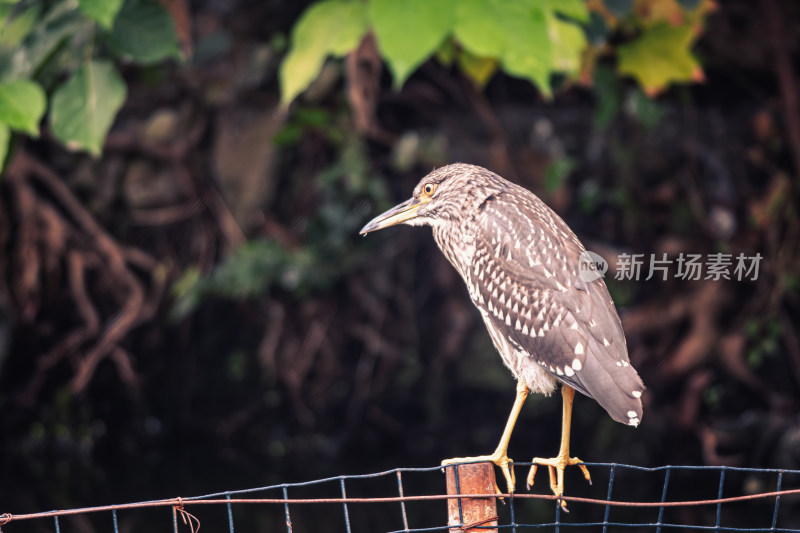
x=399 y=213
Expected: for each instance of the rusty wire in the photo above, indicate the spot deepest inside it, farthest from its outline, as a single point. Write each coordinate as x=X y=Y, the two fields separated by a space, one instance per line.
x=179 y=504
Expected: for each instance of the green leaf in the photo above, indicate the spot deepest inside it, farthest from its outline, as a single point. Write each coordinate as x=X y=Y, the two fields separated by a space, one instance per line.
x=102 y=11
x=568 y=42
x=84 y=107
x=431 y=22
x=16 y=21
x=143 y=32
x=22 y=104
x=530 y=55
x=330 y=27
x=514 y=31
x=25 y=60
x=479 y=69
x=5 y=144
x=479 y=26
x=660 y=56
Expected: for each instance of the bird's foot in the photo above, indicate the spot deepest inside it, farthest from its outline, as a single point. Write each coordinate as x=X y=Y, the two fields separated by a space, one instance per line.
x=556 y=466
x=499 y=458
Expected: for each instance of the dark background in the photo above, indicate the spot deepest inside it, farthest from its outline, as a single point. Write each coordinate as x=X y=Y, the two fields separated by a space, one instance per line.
x=311 y=351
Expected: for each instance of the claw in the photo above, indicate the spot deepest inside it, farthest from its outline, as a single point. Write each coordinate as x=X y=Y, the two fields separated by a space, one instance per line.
x=585 y=472
x=555 y=467
x=531 y=475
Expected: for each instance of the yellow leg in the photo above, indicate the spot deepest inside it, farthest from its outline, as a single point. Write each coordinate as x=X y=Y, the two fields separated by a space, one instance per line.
x=500 y=455
x=557 y=464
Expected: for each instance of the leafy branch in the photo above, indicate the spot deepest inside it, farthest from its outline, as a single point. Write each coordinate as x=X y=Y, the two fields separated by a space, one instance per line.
x=535 y=40
x=67 y=51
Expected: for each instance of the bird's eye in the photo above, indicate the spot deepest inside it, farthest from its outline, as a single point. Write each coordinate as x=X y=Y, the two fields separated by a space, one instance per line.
x=428 y=189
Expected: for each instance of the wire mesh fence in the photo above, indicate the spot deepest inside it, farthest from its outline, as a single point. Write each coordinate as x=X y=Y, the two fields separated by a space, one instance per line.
x=622 y=497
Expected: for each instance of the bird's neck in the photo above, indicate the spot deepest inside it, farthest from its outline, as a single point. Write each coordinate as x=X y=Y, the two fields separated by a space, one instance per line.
x=456 y=245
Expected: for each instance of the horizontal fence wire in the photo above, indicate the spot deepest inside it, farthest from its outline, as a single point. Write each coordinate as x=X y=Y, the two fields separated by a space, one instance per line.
x=636 y=498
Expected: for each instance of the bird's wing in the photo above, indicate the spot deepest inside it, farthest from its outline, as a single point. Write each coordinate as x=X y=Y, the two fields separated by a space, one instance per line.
x=524 y=275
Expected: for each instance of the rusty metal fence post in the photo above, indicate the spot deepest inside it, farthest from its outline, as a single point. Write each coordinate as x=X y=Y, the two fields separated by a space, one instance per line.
x=478 y=515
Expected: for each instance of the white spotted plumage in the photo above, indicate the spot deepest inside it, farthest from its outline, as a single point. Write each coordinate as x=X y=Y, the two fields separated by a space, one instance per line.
x=520 y=263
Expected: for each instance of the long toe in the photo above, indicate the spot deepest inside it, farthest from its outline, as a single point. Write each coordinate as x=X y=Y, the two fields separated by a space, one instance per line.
x=501 y=460
x=556 y=466
x=507 y=467
x=531 y=475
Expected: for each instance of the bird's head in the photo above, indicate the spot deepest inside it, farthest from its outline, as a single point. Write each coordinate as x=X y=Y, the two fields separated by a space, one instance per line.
x=444 y=196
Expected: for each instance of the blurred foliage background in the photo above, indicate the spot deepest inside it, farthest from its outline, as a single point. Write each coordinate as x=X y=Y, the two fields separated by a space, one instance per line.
x=186 y=306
